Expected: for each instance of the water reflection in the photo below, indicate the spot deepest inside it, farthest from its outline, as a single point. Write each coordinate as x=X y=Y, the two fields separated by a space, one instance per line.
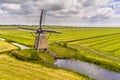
x=91 y=70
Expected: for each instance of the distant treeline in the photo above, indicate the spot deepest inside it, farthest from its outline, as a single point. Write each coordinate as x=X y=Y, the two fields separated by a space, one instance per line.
x=50 y=26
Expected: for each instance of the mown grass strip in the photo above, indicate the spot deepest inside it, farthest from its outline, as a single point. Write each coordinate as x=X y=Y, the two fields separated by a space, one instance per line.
x=12 y=68
x=4 y=46
x=91 y=37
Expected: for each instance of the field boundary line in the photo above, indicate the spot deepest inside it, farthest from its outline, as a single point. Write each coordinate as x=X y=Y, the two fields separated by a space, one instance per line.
x=91 y=37
x=98 y=52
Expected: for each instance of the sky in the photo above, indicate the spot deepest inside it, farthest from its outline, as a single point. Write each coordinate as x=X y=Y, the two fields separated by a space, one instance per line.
x=61 y=12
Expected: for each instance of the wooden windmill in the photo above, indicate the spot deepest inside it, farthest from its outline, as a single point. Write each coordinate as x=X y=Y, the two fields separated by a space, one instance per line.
x=41 y=42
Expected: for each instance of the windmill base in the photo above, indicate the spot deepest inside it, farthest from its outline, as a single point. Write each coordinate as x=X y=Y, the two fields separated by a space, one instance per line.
x=41 y=42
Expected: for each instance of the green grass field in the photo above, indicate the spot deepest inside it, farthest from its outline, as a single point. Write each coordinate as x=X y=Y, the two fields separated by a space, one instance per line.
x=105 y=44
x=4 y=46
x=95 y=45
x=105 y=40
x=12 y=69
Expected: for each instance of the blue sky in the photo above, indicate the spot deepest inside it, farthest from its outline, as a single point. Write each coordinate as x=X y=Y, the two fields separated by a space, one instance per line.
x=61 y=12
x=116 y=0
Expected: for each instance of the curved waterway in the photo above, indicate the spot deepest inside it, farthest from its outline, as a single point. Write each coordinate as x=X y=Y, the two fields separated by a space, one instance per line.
x=17 y=44
x=21 y=46
x=2 y=39
x=88 y=69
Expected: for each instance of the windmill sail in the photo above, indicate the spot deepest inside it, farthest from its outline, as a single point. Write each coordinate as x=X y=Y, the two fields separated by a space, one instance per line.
x=41 y=17
x=41 y=42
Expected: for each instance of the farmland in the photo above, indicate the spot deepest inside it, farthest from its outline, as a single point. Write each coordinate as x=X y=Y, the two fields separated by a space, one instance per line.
x=105 y=40
x=107 y=44
x=4 y=46
x=12 y=69
x=99 y=46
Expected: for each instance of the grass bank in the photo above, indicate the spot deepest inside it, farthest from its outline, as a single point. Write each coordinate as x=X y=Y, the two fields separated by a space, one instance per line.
x=30 y=65
x=61 y=49
x=5 y=46
x=13 y=69
x=31 y=55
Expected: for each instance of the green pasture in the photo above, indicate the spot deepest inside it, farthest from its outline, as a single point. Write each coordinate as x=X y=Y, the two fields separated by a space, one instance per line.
x=108 y=44
x=102 y=39
x=95 y=45
x=86 y=54
x=12 y=69
x=68 y=34
x=23 y=37
x=4 y=46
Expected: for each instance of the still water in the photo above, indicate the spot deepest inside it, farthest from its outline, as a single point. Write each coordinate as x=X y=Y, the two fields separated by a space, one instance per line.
x=21 y=46
x=88 y=69
x=2 y=39
x=16 y=44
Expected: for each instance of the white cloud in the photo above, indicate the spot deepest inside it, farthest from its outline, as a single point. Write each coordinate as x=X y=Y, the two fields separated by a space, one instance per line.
x=105 y=11
x=2 y=12
x=11 y=6
x=62 y=11
x=101 y=2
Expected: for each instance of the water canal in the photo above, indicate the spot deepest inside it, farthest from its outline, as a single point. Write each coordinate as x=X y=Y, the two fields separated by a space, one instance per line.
x=88 y=69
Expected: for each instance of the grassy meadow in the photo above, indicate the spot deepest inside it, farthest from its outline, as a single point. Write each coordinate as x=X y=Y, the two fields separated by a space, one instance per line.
x=104 y=40
x=12 y=69
x=5 y=46
x=32 y=65
x=99 y=46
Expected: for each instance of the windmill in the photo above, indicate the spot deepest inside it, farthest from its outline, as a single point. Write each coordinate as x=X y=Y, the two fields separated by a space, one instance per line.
x=41 y=43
